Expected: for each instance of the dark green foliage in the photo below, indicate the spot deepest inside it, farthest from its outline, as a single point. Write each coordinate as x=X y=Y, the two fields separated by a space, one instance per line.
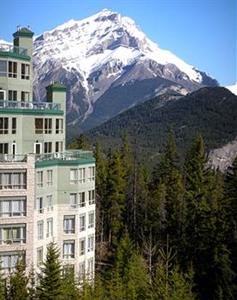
x=69 y=285
x=18 y=283
x=208 y=111
x=80 y=143
x=2 y=287
x=115 y=189
x=231 y=217
x=31 y=285
x=50 y=282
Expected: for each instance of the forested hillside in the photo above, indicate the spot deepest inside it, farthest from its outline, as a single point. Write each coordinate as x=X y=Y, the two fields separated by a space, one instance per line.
x=168 y=234
x=209 y=111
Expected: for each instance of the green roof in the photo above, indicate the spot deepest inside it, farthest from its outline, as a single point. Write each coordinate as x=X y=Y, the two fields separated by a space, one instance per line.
x=26 y=32
x=56 y=86
x=60 y=162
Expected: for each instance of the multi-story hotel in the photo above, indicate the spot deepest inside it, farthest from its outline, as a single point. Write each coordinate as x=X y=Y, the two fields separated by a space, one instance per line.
x=46 y=192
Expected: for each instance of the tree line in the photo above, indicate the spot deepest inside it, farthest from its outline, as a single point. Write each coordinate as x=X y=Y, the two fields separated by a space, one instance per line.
x=165 y=234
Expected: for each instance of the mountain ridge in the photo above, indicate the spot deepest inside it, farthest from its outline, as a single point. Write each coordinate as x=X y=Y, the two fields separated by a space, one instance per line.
x=210 y=111
x=99 y=53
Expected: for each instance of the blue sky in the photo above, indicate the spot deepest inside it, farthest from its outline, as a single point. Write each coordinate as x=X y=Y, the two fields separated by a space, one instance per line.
x=201 y=32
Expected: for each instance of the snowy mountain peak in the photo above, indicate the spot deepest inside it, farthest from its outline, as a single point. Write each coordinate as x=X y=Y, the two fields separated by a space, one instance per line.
x=104 y=51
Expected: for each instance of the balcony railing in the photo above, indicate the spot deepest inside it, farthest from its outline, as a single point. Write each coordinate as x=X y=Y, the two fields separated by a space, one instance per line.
x=13 y=49
x=68 y=155
x=29 y=105
x=13 y=158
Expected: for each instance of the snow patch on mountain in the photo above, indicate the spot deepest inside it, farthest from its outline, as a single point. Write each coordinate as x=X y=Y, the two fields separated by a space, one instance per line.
x=89 y=43
x=232 y=88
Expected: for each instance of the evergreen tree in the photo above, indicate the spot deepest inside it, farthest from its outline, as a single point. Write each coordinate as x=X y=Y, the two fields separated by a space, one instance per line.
x=81 y=142
x=32 y=285
x=18 y=283
x=50 y=282
x=2 y=286
x=69 y=286
x=231 y=218
x=205 y=247
x=115 y=190
x=169 y=283
x=136 y=279
x=168 y=176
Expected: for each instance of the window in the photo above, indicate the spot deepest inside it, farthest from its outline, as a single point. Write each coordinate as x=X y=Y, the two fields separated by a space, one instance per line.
x=12 y=179
x=48 y=147
x=9 y=260
x=73 y=176
x=69 y=249
x=82 y=175
x=59 y=147
x=25 y=96
x=3 y=148
x=59 y=126
x=90 y=267
x=12 y=207
x=73 y=200
x=47 y=125
x=39 y=256
x=13 y=125
x=49 y=177
x=90 y=243
x=69 y=224
x=12 y=69
x=91 y=173
x=82 y=201
x=82 y=222
x=13 y=234
x=39 y=178
x=3 y=68
x=25 y=71
x=82 y=268
x=39 y=204
x=2 y=94
x=91 y=219
x=38 y=126
x=40 y=230
x=12 y=95
x=82 y=243
x=49 y=232
x=3 y=125
x=91 y=197
x=49 y=199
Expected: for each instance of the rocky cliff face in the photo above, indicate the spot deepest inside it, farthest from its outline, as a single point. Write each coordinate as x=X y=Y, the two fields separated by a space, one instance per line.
x=108 y=65
x=223 y=157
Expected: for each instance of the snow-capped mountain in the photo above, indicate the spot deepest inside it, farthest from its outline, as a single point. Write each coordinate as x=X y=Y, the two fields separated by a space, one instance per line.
x=108 y=64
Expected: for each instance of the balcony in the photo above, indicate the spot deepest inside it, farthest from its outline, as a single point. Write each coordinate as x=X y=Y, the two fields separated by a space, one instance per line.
x=65 y=158
x=6 y=48
x=68 y=155
x=12 y=158
x=5 y=104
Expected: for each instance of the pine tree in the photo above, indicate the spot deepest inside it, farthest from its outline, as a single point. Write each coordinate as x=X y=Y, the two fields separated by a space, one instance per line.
x=231 y=218
x=81 y=142
x=136 y=279
x=115 y=190
x=2 y=286
x=32 y=285
x=205 y=247
x=169 y=283
x=18 y=283
x=50 y=283
x=69 y=285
